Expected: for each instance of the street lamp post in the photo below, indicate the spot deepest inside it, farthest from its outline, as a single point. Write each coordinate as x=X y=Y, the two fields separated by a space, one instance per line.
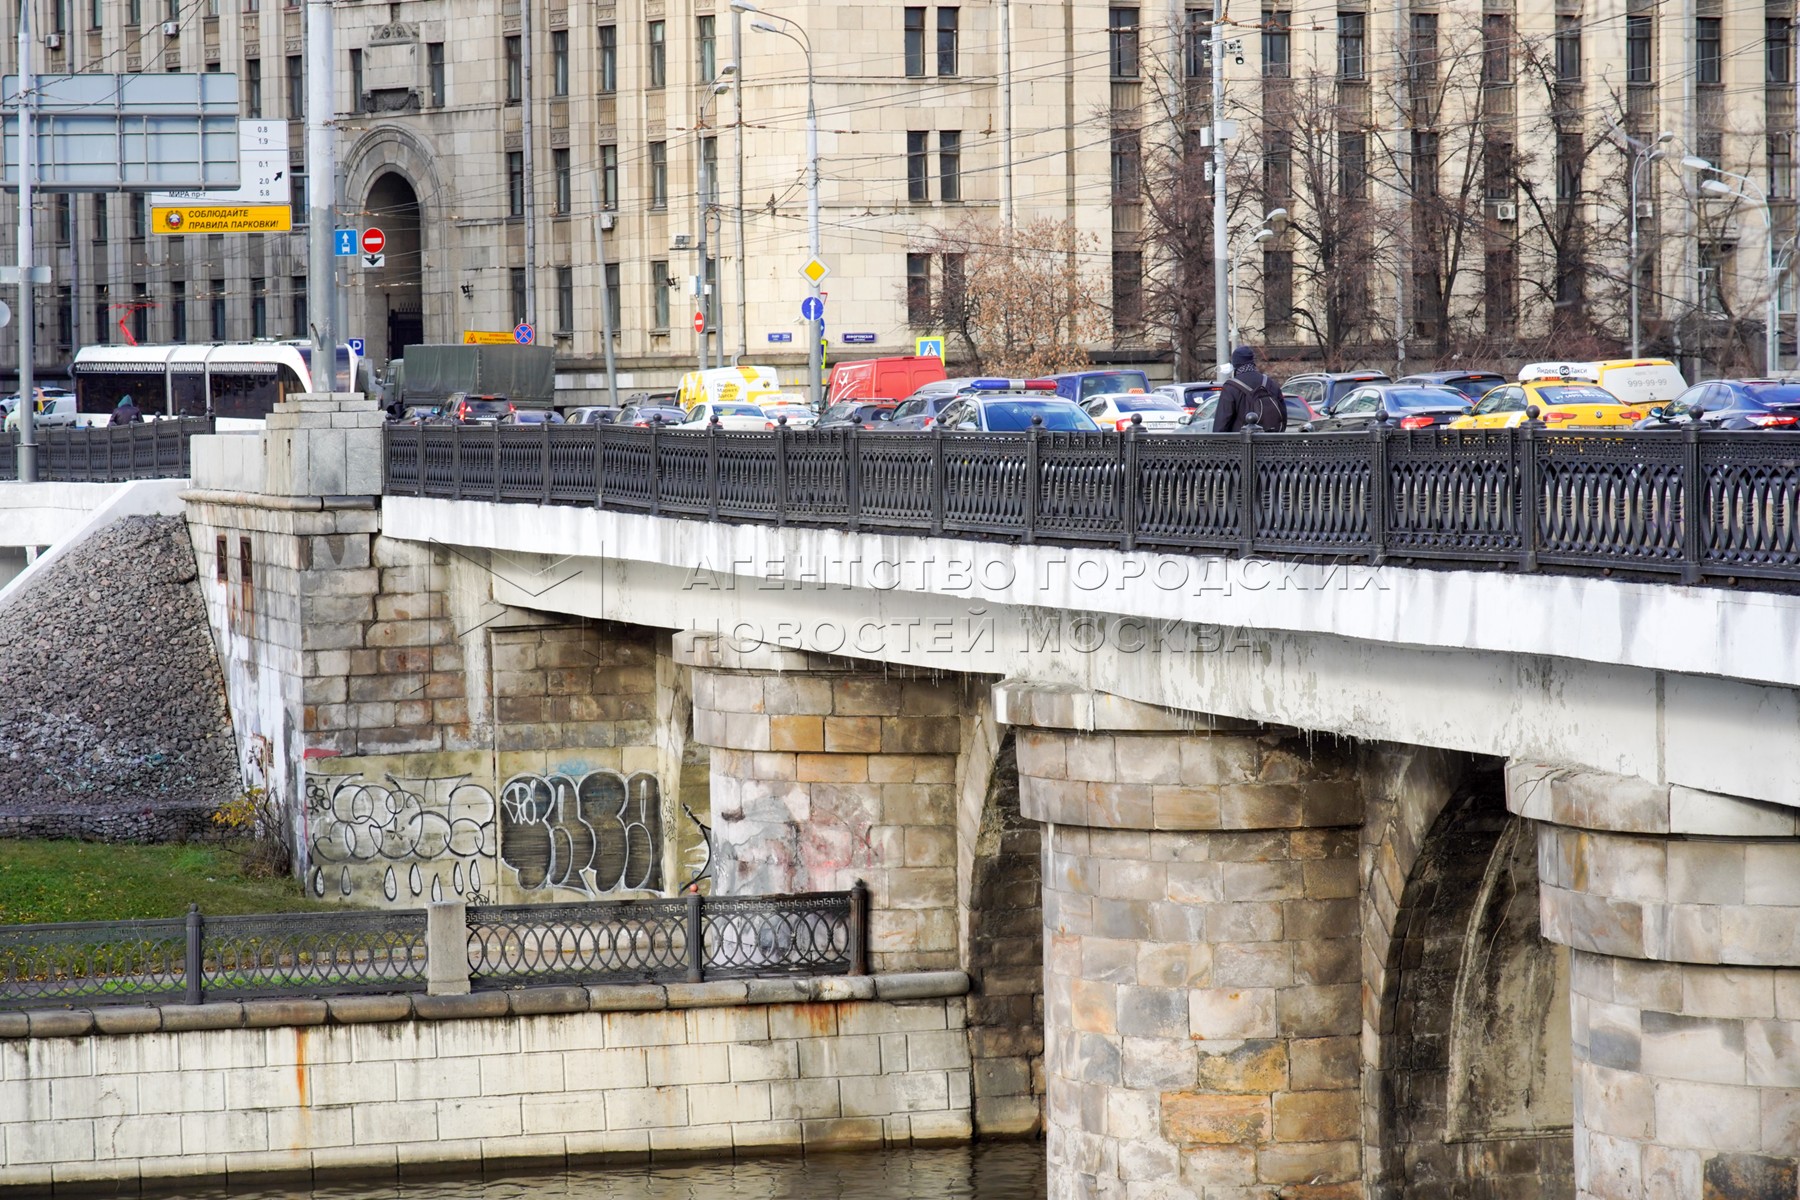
x=1642 y=155
x=795 y=33
x=1748 y=190
x=702 y=199
x=1262 y=235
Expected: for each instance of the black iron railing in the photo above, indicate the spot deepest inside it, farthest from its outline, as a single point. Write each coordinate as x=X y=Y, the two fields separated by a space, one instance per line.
x=146 y=450
x=198 y=958
x=1686 y=502
x=690 y=938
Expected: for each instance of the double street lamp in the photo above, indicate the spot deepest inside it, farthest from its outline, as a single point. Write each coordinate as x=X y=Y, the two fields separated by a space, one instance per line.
x=815 y=325
x=1270 y=220
x=703 y=200
x=1748 y=191
x=1642 y=155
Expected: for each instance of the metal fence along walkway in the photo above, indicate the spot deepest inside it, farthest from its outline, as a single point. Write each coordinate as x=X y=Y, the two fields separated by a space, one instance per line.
x=145 y=450
x=1688 y=503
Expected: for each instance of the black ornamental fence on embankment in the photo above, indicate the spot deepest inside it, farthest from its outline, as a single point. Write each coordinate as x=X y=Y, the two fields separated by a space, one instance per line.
x=142 y=450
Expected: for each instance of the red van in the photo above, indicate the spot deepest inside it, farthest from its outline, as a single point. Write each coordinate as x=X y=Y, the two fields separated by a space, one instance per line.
x=882 y=378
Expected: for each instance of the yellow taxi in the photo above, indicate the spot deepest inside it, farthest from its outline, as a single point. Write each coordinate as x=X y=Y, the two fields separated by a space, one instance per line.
x=1561 y=404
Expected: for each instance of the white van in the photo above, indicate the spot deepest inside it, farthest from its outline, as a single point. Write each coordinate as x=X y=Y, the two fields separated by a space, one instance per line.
x=1636 y=381
x=727 y=384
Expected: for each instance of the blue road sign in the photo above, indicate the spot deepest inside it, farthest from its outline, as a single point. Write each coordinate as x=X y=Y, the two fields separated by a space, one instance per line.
x=859 y=339
x=928 y=347
x=345 y=244
x=781 y=337
x=523 y=334
x=812 y=308
x=355 y=344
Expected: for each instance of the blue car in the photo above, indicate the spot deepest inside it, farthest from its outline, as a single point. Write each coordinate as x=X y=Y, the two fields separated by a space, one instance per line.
x=1770 y=404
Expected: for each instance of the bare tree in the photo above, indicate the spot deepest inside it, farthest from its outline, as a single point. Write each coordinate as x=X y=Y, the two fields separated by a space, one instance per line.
x=1025 y=301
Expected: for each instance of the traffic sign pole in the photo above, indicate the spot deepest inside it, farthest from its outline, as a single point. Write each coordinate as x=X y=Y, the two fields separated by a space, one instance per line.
x=321 y=194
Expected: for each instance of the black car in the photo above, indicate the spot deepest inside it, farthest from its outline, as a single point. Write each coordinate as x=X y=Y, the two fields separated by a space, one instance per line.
x=1771 y=404
x=1473 y=384
x=869 y=414
x=533 y=416
x=1405 y=405
x=1319 y=390
x=650 y=414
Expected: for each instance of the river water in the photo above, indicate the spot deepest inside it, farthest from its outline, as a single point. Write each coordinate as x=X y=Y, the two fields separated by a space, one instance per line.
x=985 y=1171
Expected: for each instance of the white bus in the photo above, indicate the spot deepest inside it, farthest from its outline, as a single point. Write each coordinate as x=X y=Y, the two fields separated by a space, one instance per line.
x=236 y=383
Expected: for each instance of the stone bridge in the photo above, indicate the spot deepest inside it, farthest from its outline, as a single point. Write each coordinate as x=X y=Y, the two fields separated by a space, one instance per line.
x=1274 y=878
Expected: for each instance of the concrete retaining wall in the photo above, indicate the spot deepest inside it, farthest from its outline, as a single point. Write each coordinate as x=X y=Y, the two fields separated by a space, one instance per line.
x=387 y=1084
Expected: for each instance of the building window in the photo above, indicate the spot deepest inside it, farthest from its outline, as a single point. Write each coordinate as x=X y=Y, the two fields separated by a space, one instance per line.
x=1128 y=289
x=1278 y=289
x=259 y=308
x=103 y=314
x=709 y=169
x=253 y=87
x=65 y=319
x=134 y=13
x=178 y=332
x=1352 y=44
x=559 y=62
x=1638 y=59
x=516 y=281
x=1499 y=283
x=706 y=37
x=609 y=178
x=100 y=231
x=659 y=174
x=1122 y=42
x=1714 y=262
x=1278 y=167
x=1781 y=166
x=918 y=172
x=140 y=217
x=915 y=42
x=1497 y=171
x=565 y=299
x=1127 y=166
x=63 y=215
x=946 y=43
x=1708 y=64
x=609 y=58
x=1353 y=166
x=659 y=54
x=356 y=80
x=1496 y=49
x=1425 y=164
x=1568 y=166
x=515 y=69
x=297 y=199
x=434 y=73
x=1421 y=51
x=1196 y=45
x=1778 y=50
x=661 y=285
x=950 y=165
x=565 y=183
x=217 y=304
x=1277 y=43
x=296 y=88
x=515 y=183
x=1568 y=51
x=140 y=313
x=955 y=273
x=614 y=309
x=297 y=304
x=918 y=290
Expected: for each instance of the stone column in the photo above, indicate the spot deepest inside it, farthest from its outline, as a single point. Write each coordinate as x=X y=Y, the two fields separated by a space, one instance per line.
x=1202 y=962
x=823 y=774
x=1681 y=911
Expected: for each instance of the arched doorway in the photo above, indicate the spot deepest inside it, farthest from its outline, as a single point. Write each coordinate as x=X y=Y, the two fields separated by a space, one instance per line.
x=393 y=311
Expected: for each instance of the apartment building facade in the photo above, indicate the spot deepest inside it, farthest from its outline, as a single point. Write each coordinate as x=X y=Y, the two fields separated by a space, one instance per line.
x=1456 y=176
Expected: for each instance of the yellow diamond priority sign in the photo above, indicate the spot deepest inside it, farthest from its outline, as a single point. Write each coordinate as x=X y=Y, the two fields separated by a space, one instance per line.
x=815 y=271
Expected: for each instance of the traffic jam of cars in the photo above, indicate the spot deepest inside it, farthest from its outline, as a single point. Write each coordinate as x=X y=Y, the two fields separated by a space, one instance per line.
x=912 y=394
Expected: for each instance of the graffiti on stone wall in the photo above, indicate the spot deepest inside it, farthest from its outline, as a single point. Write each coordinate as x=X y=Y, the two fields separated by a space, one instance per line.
x=420 y=838
x=595 y=833
x=699 y=856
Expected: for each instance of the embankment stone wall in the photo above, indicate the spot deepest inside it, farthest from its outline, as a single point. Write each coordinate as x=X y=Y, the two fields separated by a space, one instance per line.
x=397 y=1084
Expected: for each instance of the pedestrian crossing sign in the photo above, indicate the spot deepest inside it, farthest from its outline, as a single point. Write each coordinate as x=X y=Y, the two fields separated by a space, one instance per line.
x=929 y=347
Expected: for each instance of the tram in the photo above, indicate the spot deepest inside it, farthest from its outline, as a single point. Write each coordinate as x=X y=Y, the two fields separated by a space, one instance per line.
x=238 y=384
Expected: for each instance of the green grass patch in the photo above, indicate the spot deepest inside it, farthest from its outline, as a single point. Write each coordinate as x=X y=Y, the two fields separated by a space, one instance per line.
x=96 y=881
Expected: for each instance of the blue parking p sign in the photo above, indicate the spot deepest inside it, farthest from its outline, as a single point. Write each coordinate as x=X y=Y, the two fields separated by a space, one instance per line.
x=356 y=346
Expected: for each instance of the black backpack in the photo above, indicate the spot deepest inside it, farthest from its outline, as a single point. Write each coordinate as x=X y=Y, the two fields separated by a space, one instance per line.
x=1265 y=401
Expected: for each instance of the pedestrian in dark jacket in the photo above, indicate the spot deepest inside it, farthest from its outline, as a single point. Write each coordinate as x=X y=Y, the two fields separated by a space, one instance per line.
x=1249 y=390
x=126 y=413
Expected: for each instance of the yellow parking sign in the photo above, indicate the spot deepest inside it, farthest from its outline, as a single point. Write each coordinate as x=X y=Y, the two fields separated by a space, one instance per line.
x=928 y=347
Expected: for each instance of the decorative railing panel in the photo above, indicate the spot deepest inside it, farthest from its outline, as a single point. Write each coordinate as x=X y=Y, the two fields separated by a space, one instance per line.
x=144 y=450
x=691 y=938
x=93 y=962
x=1689 y=502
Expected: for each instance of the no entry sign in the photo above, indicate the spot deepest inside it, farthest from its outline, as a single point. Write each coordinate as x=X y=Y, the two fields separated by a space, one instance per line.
x=699 y=322
x=373 y=241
